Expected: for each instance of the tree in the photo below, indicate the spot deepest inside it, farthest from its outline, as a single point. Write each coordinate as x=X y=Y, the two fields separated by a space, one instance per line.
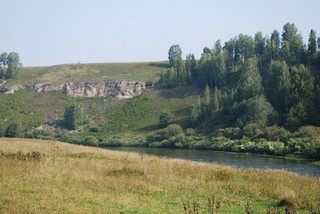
x=260 y=44
x=165 y=118
x=73 y=117
x=206 y=100
x=273 y=46
x=216 y=99
x=13 y=130
x=250 y=81
x=212 y=68
x=229 y=53
x=278 y=85
x=292 y=45
x=256 y=110
x=244 y=47
x=3 y=64
x=14 y=64
x=312 y=43
x=175 y=56
x=190 y=66
x=196 y=110
x=302 y=84
x=302 y=113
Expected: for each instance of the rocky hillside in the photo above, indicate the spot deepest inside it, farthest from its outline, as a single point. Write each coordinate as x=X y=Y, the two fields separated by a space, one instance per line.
x=119 y=89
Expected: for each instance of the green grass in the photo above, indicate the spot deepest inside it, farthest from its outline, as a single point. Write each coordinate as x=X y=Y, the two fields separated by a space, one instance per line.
x=144 y=71
x=67 y=178
x=129 y=118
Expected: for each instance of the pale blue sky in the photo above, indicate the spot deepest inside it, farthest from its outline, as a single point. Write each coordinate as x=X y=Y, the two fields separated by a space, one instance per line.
x=49 y=32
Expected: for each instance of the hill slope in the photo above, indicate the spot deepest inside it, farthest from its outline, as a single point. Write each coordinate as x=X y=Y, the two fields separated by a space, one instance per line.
x=49 y=176
x=142 y=71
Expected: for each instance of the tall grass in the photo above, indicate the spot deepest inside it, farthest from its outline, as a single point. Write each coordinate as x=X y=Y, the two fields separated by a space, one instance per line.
x=67 y=178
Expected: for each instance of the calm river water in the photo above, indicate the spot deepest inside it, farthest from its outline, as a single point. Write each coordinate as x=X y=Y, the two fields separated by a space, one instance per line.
x=231 y=159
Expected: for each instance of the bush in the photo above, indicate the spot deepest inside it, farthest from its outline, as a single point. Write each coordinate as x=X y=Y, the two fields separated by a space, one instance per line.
x=190 y=132
x=231 y=133
x=13 y=130
x=91 y=141
x=172 y=130
x=113 y=141
x=276 y=133
x=252 y=130
x=165 y=118
x=95 y=129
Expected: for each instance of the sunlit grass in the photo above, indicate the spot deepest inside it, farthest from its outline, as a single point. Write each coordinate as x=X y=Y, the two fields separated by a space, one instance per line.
x=68 y=178
x=58 y=74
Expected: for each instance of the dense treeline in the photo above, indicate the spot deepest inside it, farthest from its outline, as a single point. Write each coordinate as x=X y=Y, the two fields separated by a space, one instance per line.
x=252 y=83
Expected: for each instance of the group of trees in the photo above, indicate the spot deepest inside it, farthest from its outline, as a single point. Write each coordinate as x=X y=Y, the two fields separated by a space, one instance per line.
x=261 y=80
x=9 y=65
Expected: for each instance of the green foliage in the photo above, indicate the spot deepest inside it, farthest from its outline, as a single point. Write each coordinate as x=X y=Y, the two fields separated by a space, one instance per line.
x=276 y=133
x=230 y=133
x=212 y=68
x=278 y=85
x=302 y=84
x=303 y=113
x=312 y=43
x=292 y=44
x=191 y=66
x=172 y=130
x=9 y=65
x=165 y=118
x=196 y=110
x=256 y=110
x=175 y=56
x=90 y=141
x=216 y=99
x=73 y=117
x=13 y=130
x=250 y=81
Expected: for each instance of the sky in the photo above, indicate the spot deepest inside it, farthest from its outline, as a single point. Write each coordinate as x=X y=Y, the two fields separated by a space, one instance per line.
x=51 y=32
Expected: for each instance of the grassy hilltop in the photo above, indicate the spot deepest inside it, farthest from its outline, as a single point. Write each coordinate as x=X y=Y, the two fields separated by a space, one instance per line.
x=143 y=71
x=51 y=177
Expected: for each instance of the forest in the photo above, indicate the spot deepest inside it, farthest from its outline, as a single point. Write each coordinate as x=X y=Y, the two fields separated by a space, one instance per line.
x=261 y=93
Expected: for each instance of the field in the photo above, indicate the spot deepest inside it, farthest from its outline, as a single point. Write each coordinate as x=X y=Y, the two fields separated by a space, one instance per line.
x=52 y=177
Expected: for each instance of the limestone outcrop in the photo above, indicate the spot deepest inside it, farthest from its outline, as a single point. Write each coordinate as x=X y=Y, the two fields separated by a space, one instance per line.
x=120 y=89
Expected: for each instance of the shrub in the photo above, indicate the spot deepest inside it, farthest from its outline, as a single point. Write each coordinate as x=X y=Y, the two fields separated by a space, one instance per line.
x=276 y=133
x=231 y=133
x=95 y=129
x=91 y=141
x=172 y=130
x=190 y=132
x=113 y=141
x=13 y=130
x=252 y=130
x=165 y=118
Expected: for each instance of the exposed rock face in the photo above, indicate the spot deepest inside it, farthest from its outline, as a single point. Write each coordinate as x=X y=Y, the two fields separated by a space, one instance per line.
x=108 y=88
x=119 y=89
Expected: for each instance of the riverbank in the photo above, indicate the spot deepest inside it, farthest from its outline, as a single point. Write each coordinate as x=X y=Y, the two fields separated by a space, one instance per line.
x=48 y=176
x=238 y=160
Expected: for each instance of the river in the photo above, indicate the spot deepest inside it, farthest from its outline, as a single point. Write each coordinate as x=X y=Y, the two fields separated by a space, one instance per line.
x=245 y=161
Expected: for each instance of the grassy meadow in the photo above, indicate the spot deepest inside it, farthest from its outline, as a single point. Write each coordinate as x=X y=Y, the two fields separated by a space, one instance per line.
x=52 y=177
x=58 y=74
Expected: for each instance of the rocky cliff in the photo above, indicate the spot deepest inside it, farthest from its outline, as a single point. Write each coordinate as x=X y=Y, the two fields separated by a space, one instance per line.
x=119 y=89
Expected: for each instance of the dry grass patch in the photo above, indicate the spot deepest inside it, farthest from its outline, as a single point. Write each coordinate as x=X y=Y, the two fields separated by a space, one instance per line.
x=80 y=179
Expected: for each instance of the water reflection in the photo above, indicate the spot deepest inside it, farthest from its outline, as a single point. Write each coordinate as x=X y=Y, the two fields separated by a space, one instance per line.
x=231 y=159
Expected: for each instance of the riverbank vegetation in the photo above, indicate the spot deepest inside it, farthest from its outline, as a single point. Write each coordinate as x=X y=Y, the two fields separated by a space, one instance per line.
x=40 y=176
